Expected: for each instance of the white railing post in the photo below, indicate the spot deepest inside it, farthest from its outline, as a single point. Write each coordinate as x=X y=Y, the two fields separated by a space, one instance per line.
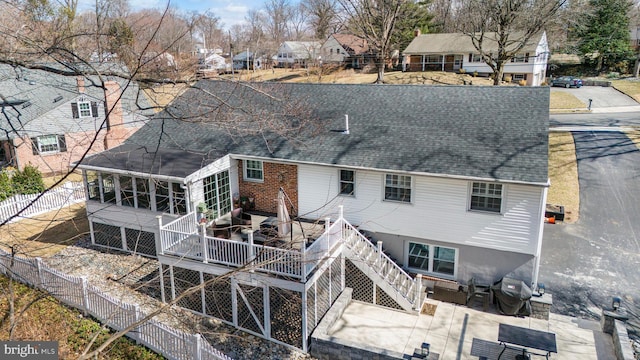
x=252 y=253
x=203 y=242
x=85 y=296
x=379 y=245
x=303 y=263
x=341 y=211
x=327 y=225
x=161 y=234
x=418 y=284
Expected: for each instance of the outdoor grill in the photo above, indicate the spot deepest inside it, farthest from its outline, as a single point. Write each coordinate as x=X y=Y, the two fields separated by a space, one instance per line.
x=512 y=297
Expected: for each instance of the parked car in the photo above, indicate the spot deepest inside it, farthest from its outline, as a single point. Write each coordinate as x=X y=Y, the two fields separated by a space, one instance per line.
x=566 y=81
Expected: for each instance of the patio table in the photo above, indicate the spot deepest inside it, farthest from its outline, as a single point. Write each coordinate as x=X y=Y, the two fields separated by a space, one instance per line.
x=528 y=338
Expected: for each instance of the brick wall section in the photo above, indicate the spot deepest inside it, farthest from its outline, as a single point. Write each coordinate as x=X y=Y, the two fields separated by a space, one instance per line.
x=77 y=144
x=265 y=193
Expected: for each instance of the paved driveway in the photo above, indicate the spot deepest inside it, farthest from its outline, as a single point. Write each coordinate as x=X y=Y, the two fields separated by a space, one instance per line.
x=602 y=96
x=585 y=264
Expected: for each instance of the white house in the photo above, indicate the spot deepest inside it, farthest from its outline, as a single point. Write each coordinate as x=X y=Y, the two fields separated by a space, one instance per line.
x=455 y=52
x=347 y=49
x=300 y=53
x=448 y=191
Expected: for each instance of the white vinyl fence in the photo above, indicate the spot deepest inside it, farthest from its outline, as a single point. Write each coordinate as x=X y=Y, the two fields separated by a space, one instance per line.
x=68 y=194
x=76 y=292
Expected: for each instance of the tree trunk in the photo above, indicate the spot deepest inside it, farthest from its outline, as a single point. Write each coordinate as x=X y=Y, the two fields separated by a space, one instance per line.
x=497 y=74
x=380 y=68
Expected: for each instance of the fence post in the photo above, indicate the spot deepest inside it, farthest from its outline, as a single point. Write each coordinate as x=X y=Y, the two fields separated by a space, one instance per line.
x=135 y=333
x=40 y=279
x=85 y=296
x=197 y=350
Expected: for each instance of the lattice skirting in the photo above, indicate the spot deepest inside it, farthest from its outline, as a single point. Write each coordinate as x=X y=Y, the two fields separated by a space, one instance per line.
x=126 y=239
x=364 y=288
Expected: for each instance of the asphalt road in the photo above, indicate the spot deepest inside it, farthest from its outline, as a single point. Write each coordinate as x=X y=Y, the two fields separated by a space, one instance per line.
x=587 y=263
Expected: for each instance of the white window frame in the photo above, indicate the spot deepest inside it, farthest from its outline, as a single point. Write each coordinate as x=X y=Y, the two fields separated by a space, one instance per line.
x=246 y=169
x=40 y=145
x=520 y=58
x=341 y=181
x=84 y=112
x=429 y=259
x=398 y=177
x=518 y=77
x=486 y=194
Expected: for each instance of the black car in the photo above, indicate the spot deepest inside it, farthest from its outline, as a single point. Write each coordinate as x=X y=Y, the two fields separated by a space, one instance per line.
x=566 y=81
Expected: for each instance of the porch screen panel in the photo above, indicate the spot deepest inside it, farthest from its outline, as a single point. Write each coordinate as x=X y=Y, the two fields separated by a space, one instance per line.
x=141 y=242
x=107 y=235
x=255 y=298
x=217 y=295
x=185 y=279
x=286 y=316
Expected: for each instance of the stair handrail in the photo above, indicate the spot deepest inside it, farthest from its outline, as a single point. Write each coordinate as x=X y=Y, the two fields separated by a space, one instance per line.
x=383 y=259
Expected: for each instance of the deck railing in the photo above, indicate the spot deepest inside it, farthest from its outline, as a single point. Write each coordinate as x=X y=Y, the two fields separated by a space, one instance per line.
x=178 y=230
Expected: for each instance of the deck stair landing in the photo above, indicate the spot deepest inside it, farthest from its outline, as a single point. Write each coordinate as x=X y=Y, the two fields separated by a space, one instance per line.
x=382 y=270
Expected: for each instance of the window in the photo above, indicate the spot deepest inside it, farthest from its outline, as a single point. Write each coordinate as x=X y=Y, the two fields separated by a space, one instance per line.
x=397 y=188
x=108 y=188
x=217 y=192
x=162 y=196
x=432 y=59
x=475 y=58
x=253 y=170
x=48 y=144
x=520 y=58
x=126 y=191
x=434 y=259
x=143 y=193
x=179 y=204
x=518 y=77
x=93 y=185
x=82 y=109
x=347 y=182
x=486 y=197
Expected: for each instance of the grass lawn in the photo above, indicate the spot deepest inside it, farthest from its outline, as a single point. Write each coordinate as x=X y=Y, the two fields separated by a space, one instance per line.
x=42 y=317
x=629 y=87
x=560 y=100
x=563 y=173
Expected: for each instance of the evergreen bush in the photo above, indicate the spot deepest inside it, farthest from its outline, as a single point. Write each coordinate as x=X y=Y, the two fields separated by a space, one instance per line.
x=28 y=181
x=6 y=190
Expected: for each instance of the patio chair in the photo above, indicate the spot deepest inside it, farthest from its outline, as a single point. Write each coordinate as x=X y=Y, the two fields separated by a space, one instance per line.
x=239 y=219
x=477 y=292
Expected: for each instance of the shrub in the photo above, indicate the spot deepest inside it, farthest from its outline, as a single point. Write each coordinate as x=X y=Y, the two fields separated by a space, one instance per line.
x=6 y=190
x=28 y=181
x=613 y=75
x=462 y=71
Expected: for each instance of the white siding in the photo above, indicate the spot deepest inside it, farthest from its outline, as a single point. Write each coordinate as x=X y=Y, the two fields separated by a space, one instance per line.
x=439 y=209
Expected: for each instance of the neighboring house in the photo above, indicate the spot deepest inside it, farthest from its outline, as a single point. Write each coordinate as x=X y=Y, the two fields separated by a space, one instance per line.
x=213 y=62
x=450 y=181
x=455 y=52
x=298 y=53
x=346 y=49
x=51 y=120
x=634 y=36
x=247 y=60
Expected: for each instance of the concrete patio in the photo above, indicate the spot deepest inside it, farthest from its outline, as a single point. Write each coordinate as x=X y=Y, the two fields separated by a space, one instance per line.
x=452 y=328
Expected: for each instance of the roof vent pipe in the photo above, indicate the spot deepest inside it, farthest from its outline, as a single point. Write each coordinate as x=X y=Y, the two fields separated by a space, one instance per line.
x=346 y=124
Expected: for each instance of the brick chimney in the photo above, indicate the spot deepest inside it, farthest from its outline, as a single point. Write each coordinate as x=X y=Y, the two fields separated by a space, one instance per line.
x=116 y=132
x=80 y=81
x=416 y=32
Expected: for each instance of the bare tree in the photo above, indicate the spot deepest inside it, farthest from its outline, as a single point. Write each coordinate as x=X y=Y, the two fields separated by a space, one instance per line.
x=277 y=16
x=374 y=20
x=298 y=23
x=500 y=29
x=322 y=17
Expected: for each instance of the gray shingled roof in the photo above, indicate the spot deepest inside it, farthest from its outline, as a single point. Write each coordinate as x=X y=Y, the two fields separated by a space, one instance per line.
x=38 y=93
x=458 y=43
x=468 y=131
